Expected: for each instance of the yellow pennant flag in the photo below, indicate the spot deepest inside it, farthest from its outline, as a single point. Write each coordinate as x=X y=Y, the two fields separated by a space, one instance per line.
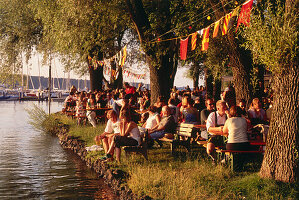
x=205 y=39
x=225 y=23
x=123 y=60
x=216 y=28
x=193 y=41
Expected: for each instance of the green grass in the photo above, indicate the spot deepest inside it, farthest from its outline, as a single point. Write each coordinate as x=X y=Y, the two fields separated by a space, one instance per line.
x=166 y=177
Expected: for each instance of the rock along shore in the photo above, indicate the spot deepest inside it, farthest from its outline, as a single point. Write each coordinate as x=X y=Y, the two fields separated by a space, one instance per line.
x=113 y=177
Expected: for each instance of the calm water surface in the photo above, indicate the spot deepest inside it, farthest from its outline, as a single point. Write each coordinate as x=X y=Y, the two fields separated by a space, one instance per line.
x=34 y=166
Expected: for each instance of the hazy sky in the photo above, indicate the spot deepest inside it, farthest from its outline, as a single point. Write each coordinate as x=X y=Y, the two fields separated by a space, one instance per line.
x=57 y=71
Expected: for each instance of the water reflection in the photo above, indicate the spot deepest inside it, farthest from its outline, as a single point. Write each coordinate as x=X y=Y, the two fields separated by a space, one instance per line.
x=34 y=166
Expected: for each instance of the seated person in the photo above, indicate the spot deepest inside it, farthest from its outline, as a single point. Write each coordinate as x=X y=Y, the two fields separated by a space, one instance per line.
x=112 y=128
x=242 y=105
x=153 y=119
x=256 y=114
x=236 y=129
x=166 y=125
x=189 y=113
x=214 y=126
x=129 y=136
x=204 y=116
x=174 y=109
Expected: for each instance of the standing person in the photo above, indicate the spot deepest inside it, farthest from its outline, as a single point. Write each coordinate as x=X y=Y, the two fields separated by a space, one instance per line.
x=215 y=123
x=129 y=136
x=90 y=107
x=204 y=116
x=80 y=109
x=129 y=89
x=112 y=128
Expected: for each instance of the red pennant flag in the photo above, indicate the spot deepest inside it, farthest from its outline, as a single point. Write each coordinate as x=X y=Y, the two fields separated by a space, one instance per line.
x=193 y=41
x=244 y=17
x=183 y=49
x=205 y=39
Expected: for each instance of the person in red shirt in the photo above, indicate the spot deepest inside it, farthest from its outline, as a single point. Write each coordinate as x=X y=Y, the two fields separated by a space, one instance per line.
x=129 y=89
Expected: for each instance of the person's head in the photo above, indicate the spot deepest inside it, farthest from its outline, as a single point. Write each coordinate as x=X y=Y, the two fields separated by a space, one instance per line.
x=171 y=101
x=108 y=95
x=186 y=101
x=152 y=109
x=209 y=104
x=144 y=117
x=235 y=111
x=256 y=104
x=242 y=104
x=166 y=111
x=221 y=107
x=111 y=114
x=125 y=115
x=126 y=84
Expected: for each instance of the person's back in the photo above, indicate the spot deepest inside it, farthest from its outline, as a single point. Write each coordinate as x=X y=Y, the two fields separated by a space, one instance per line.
x=237 y=127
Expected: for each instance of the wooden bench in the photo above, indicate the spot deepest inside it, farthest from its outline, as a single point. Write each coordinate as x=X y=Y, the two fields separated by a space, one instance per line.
x=182 y=138
x=140 y=149
x=235 y=159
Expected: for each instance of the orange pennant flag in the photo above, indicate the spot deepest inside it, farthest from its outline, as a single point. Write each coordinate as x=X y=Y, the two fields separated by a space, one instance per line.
x=193 y=41
x=205 y=39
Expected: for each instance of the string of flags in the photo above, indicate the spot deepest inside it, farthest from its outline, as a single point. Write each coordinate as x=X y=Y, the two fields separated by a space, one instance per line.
x=225 y=23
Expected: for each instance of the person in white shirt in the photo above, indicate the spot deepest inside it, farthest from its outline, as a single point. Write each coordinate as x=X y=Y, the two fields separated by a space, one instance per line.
x=214 y=125
x=112 y=128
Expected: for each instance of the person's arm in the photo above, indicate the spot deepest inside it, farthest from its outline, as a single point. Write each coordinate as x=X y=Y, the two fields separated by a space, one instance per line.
x=129 y=128
x=225 y=129
x=158 y=119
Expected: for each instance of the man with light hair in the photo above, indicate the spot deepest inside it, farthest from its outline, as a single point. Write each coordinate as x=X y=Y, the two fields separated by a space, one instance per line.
x=215 y=123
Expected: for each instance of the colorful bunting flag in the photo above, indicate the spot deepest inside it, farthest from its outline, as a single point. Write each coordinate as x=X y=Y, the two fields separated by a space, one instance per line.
x=193 y=41
x=124 y=56
x=216 y=28
x=183 y=49
x=205 y=39
x=244 y=17
x=225 y=23
x=200 y=32
x=120 y=58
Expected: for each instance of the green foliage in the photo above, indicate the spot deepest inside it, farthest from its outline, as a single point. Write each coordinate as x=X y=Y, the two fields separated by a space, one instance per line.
x=273 y=40
x=41 y=121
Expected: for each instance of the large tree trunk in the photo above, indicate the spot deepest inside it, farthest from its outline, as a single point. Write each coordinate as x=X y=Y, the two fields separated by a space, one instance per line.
x=96 y=77
x=209 y=83
x=241 y=64
x=281 y=160
x=281 y=156
x=162 y=77
x=195 y=76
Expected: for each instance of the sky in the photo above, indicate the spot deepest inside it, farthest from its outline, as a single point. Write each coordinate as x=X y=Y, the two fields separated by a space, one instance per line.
x=58 y=71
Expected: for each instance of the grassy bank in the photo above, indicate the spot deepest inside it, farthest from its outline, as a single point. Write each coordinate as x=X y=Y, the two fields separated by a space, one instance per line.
x=166 y=177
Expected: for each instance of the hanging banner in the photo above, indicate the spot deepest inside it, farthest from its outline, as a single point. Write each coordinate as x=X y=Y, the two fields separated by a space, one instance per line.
x=244 y=17
x=205 y=39
x=183 y=48
x=216 y=28
x=193 y=41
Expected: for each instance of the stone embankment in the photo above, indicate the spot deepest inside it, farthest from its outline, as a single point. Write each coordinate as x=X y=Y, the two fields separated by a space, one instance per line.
x=113 y=177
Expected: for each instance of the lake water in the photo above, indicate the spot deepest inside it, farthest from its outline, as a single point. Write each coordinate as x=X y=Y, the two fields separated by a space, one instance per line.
x=33 y=165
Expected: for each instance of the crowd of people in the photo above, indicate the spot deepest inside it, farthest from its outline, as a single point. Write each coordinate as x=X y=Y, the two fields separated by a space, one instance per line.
x=131 y=116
